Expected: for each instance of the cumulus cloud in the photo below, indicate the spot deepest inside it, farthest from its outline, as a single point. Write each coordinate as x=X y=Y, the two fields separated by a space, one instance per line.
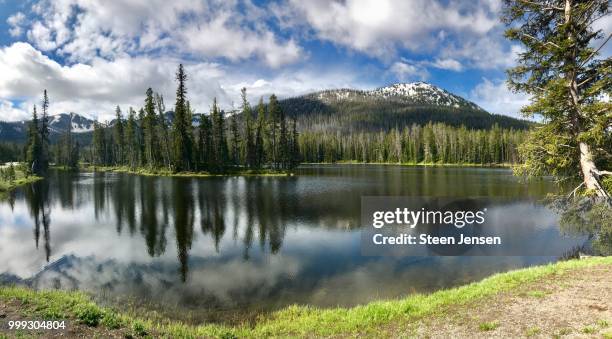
x=94 y=89
x=406 y=71
x=16 y=21
x=83 y=30
x=93 y=55
x=379 y=28
x=494 y=96
x=448 y=64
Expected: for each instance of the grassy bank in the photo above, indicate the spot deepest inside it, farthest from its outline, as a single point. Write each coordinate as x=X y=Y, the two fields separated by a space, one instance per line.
x=295 y=320
x=168 y=173
x=20 y=178
x=415 y=164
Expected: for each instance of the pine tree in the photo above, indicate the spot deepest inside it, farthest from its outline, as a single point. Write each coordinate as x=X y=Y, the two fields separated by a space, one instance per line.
x=131 y=140
x=163 y=131
x=119 y=138
x=295 y=147
x=65 y=148
x=249 y=143
x=205 y=144
x=99 y=145
x=234 y=141
x=142 y=159
x=44 y=134
x=151 y=143
x=34 y=150
x=561 y=70
x=273 y=116
x=260 y=133
x=283 y=141
x=218 y=137
x=180 y=138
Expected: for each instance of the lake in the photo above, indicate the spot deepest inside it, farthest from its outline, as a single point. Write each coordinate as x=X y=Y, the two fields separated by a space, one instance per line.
x=230 y=248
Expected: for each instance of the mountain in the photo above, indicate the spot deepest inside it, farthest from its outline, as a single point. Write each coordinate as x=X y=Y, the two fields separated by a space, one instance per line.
x=58 y=124
x=397 y=105
x=343 y=110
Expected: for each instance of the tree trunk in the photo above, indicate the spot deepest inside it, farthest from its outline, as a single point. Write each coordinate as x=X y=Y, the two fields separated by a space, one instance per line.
x=590 y=174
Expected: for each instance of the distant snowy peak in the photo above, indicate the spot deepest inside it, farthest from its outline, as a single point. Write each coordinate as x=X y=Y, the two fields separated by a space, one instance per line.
x=414 y=93
x=61 y=122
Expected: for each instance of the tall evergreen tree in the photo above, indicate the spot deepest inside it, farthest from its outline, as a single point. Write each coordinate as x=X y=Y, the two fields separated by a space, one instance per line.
x=131 y=139
x=151 y=144
x=163 y=131
x=234 y=142
x=180 y=135
x=249 y=144
x=44 y=134
x=283 y=141
x=260 y=133
x=568 y=81
x=34 y=150
x=119 y=138
x=142 y=159
x=99 y=145
x=218 y=137
x=273 y=117
x=66 y=148
x=294 y=146
x=205 y=144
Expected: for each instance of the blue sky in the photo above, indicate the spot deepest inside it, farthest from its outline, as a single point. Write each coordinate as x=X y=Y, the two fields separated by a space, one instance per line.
x=95 y=54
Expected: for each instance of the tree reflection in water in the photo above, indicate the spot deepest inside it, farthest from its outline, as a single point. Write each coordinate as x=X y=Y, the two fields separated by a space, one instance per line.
x=586 y=216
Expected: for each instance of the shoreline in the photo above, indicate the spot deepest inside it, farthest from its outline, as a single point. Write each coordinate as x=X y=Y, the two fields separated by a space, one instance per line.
x=409 y=164
x=166 y=173
x=20 y=180
x=303 y=321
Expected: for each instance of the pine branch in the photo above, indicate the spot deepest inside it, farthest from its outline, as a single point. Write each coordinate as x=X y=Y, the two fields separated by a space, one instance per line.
x=541 y=42
x=542 y=6
x=597 y=50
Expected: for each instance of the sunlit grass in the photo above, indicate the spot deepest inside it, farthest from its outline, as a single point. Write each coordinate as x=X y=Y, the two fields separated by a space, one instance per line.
x=168 y=173
x=20 y=179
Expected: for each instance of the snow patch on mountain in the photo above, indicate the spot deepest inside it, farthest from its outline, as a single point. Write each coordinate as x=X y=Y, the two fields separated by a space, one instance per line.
x=414 y=93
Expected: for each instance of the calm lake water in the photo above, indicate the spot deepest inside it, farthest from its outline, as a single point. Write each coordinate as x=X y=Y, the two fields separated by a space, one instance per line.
x=225 y=248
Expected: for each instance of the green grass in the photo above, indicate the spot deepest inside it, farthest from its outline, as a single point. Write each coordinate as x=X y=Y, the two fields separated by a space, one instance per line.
x=589 y=330
x=532 y=331
x=167 y=173
x=433 y=164
x=20 y=179
x=488 y=326
x=537 y=294
x=367 y=319
x=562 y=332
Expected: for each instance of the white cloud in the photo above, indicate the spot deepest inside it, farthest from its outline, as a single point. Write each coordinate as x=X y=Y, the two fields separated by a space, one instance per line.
x=16 y=21
x=448 y=64
x=95 y=89
x=85 y=29
x=9 y=112
x=378 y=28
x=405 y=71
x=495 y=97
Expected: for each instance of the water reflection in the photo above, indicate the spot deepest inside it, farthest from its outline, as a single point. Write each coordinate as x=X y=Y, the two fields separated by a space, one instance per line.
x=216 y=247
x=37 y=196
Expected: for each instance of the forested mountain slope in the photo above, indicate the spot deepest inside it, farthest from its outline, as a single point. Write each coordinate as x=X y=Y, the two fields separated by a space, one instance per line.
x=395 y=106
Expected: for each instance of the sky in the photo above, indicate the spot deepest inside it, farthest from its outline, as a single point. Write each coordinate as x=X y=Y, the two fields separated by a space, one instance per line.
x=92 y=55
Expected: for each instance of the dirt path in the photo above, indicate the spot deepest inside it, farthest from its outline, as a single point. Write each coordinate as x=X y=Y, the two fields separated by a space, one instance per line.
x=577 y=304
